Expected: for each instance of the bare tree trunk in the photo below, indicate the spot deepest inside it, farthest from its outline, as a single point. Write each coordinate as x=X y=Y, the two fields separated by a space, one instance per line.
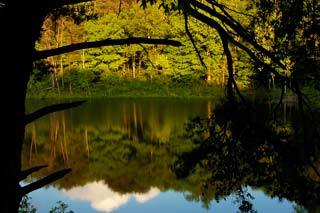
x=86 y=141
x=230 y=92
x=134 y=66
x=52 y=62
x=62 y=72
x=56 y=79
x=70 y=87
x=13 y=133
x=16 y=65
x=139 y=64
x=53 y=81
x=17 y=51
x=61 y=61
x=209 y=70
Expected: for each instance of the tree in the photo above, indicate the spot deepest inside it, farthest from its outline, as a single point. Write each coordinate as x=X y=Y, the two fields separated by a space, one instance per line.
x=18 y=54
x=232 y=31
x=155 y=62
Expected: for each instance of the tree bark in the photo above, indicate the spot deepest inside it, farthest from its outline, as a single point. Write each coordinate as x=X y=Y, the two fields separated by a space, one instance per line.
x=17 y=48
x=15 y=69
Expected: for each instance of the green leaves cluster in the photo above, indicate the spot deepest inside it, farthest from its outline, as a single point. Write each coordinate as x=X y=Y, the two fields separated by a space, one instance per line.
x=26 y=206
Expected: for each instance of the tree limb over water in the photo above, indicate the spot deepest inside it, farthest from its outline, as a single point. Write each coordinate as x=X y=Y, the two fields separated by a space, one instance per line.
x=107 y=42
x=24 y=174
x=49 y=109
x=44 y=181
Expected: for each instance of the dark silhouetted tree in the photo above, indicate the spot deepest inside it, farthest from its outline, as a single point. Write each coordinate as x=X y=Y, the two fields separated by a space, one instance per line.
x=20 y=23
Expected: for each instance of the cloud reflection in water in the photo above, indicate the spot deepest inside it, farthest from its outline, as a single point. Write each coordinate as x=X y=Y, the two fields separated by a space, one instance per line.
x=102 y=198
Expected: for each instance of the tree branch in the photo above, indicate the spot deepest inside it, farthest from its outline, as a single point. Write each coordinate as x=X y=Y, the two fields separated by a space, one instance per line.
x=227 y=52
x=49 y=109
x=186 y=27
x=233 y=24
x=44 y=181
x=221 y=6
x=107 y=42
x=24 y=174
x=212 y=23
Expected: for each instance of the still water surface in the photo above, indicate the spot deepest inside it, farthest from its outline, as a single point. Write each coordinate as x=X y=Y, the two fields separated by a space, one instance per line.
x=121 y=152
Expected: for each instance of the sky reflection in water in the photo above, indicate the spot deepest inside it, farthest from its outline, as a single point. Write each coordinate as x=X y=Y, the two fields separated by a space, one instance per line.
x=98 y=197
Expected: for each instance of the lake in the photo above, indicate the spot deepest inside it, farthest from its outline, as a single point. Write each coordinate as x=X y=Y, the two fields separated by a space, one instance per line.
x=121 y=152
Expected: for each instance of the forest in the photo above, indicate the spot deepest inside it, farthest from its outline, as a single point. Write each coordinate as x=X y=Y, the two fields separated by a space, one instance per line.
x=198 y=68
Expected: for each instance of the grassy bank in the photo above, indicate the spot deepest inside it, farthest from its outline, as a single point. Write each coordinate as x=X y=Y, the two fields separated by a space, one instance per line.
x=127 y=88
x=135 y=88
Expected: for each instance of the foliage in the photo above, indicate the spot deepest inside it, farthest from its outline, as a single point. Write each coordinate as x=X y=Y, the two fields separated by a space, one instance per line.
x=60 y=208
x=87 y=84
x=152 y=63
x=27 y=207
x=292 y=40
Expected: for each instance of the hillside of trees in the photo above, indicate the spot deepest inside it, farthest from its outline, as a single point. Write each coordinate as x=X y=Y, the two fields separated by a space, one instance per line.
x=106 y=68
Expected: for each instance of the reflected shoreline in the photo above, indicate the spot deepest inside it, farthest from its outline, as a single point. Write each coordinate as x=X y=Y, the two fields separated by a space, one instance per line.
x=131 y=146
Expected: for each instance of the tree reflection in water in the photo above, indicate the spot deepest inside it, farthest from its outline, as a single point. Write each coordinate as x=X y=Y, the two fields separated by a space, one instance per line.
x=244 y=145
x=134 y=147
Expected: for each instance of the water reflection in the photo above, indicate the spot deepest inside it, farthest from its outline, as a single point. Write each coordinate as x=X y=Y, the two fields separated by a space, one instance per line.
x=241 y=145
x=103 y=140
x=102 y=198
x=124 y=149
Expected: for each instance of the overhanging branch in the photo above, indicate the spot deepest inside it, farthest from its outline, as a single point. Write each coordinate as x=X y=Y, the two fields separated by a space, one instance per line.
x=44 y=181
x=225 y=44
x=107 y=42
x=49 y=109
x=212 y=23
x=186 y=26
x=234 y=25
x=24 y=174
